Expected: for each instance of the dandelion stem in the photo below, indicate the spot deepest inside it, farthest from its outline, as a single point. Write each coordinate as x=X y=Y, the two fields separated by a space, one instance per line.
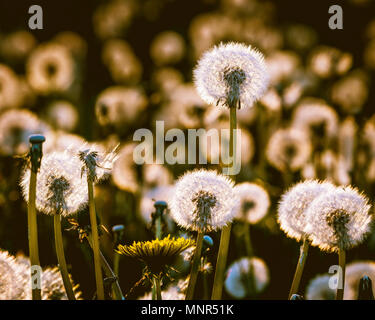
x=95 y=241
x=195 y=266
x=61 y=257
x=249 y=247
x=225 y=232
x=33 y=232
x=158 y=229
x=156 y=290
x=300 y=266
x=108 y=273
x=205 y=283
x=341 y=285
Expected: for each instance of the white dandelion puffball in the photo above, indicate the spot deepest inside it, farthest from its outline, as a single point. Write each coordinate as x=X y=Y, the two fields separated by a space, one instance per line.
x=288 y=149
x=291 y=213
x=231 y=73
x=318 y=288
x=239 y=273
x=338 y=219
x=354 y=272
x=254 y=202
x=60 y=187
x=203 y=201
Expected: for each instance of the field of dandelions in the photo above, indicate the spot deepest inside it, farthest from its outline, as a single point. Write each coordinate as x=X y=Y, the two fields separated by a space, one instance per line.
x=74 y=202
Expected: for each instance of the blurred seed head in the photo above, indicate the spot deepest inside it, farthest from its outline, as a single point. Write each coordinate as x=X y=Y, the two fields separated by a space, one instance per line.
x=254 y=202
x=231 y=73
x=123 y=64
x=311 y=114
x=15 y=128
x=338 y=219
x=62 y=115
x=236 y=282
x=291 y=213
x=59 y=141
x=16 y=46
x=50 y=69
x=118 y=106
x=203 y=200
x=167 y=47
x=167 y=79
x=288 y=149
x=155 y=175
x=60 y=188
x=73 y=42
x=318 y=288
x=355 y=271
x=300 y=36
x=281 y=65
x=9 y=88
x=351 y=92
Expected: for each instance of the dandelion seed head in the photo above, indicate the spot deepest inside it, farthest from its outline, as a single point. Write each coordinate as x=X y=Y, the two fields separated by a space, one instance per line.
x=231 y=73
x=288 y=149
x=238 y=277
x=61 y=190
x=338 y=219
x=254 y=202
x=318 y=288
x=10 y=278
x=291 y=213
x=9 y=88
x=203 y=200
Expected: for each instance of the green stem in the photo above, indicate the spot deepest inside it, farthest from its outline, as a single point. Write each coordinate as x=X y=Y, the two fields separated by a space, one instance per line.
x=340 y=289
x=61 y=257
x=249 y=247
x=304 y=249
x=158 y=228
x=33 y=234
x=95 y=242
x=109 y=273
x=195 y=267
x=225 y=232
x=205 y=283
x=156 y=290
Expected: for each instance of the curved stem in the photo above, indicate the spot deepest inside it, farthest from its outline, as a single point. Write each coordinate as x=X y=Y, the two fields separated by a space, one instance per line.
x=341 y=283
x=304 y=249
x=33 y=235
x=109 y=273
x=195 y=267
x=95 y=242
x=61 y=257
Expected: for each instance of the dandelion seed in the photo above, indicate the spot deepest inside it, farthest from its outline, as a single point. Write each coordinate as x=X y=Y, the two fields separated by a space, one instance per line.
x=318 y=288
x=230 y=74
x=294 y=204
x=254 y=201
x=60 y=187
x=237 y=282
x=203 y=201
x=338 y=219
x=288 y=149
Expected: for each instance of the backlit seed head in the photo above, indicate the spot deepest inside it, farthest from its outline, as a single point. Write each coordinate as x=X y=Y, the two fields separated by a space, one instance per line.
x=354 y=272
x=291 y=213
x=318 y=288
x=237 y=282
x=60 y=189
x=288 y=149
x=231 y=74
x=203 y=200
x=338 y=219
x=254 y=201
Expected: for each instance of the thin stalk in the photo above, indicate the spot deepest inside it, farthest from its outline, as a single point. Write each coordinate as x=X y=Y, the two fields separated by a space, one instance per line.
x=248 y=245
x=108 y=273
x=304 y=249
x=225 y=232
x=61 y=257
x=156 y=290
x=340 y=289
x=33 y=233
x=195 y=266
x=158 y=228
x=205 y=282
x=95 y=241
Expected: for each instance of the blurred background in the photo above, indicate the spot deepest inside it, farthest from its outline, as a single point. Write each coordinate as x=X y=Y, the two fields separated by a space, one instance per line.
x=101 y=69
